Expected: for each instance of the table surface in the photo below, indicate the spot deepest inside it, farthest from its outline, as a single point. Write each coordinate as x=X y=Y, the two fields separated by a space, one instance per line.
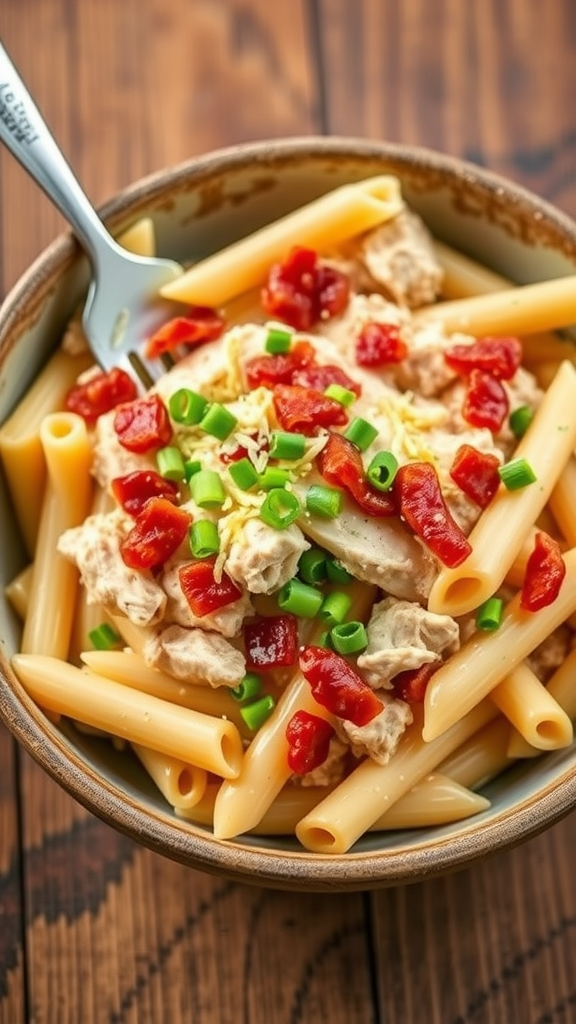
x=93 y=928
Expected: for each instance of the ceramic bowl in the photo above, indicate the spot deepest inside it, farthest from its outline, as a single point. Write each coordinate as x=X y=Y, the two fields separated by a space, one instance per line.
x=197 y=208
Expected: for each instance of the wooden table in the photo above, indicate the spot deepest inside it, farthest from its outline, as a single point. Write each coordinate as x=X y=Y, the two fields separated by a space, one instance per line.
x=92 y=927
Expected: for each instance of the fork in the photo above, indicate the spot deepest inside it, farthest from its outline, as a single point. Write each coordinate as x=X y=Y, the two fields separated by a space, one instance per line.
x=123 y=307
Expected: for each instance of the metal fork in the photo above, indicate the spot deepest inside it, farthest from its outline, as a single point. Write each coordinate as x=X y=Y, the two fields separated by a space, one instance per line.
x=123 y=307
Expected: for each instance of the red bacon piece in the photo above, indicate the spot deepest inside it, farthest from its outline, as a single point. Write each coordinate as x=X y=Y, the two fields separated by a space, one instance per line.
x=203 y=592
x=486 y=402
x=304 y=410
x=340 y=463
x=544 y=574
x=500 y=357
x=157 y=533
x=476 y=474
x=308 y=741
x=337 y=686
x=301 y=291
x=201 y=324
x=271 y=642
x=421 y=503
x=135 y=490
x=380 y=345
x=100 y=393
x=143 y=425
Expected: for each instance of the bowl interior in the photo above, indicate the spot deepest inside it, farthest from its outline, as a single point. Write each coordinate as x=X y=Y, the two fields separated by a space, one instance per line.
x=197 y=208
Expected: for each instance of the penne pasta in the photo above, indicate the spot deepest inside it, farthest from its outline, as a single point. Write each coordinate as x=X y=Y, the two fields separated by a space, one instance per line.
x=482 y=757
x=18 y=591
x=561 y=687
x=182 y=785
x=531 y=708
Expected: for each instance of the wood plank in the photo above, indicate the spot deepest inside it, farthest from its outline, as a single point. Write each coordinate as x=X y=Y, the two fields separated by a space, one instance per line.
x=12 y=995
x=491 y=944
x=490 y=82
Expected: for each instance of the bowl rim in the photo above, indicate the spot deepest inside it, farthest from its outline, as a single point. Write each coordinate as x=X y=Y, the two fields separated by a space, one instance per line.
x=163 y=833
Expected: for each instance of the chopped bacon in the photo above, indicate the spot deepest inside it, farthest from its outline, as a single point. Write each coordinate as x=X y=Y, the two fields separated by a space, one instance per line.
x=337 y=686
x=100 y=393
x=476 y=474
x=410 y=685
x=271 y=642
x=340 y=463
x=278 y=367
x=203 y=592
x=320 y=377
x=379 y=345
x=305 y=409
x=486 y=402
x=143 y=425
x=499 y=356
x=202 y=324
x=421 y=503
x=308 y=741
x=301 y=291
x=157 y=533
x=135 y=490
x=545 y=572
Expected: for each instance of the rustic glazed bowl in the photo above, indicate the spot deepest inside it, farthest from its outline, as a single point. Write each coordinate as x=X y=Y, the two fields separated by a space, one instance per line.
x=197 y=208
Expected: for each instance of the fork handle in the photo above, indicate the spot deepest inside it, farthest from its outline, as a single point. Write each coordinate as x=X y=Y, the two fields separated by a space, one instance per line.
x=27 y=136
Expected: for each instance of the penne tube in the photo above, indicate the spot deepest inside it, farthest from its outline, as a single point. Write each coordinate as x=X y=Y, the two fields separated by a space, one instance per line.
x=53 y=590
x=207 y=742
x=480 y=758
x=325 y=222
x=241 y=803
x=523 y=309
x=561 y=502
x=502 y=528
x=182 y=785
x=464 y=276
x=371 y=789
x=562 y=688
x=530 y=707
x=437 y=800
x=18 y=591
x=485 y=660
x=131 y=670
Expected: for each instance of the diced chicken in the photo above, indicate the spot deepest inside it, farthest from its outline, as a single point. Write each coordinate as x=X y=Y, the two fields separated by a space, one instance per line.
x=425 y=370
x=399 y=255
x=403 y=635
x=342 y=331
x=205 y=369
x=331 y=771
x=226 y=621
x=262 y=559
x=196 y=656
x=379 y=738
x=95 y=548
x=110 y=458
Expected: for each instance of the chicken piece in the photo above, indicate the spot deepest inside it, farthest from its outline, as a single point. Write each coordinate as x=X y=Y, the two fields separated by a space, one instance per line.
x=400 y=257
x=403 y=635
x=95 y=548
x=262 y=559
x=425 y=370
x=379 y=738
x=226 y=621
x=331 y=771
x=195 y=656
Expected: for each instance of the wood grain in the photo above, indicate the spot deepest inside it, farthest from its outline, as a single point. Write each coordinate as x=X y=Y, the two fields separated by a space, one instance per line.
x=12 y=997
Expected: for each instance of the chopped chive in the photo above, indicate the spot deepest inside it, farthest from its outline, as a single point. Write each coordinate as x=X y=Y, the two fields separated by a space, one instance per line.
x=489 y=614
x=516 y=474
x=336 y=572
x=278 y=340
x=361 y=433
x=312 y=566
x=170 y=463
x=256 y=713
x=520 y=419
x=300 y=599
x=382 y=470
x=207 y=489
x=191 y=466
x=340 y=394
x=325 y=640
x=280 y=508
x=324 y=501
x=284 y=445
x=243 y=474
x=218 y=421
x=186 y=406
x=204 y=538
x=335 y=608
x=248 y=688
x=273 y=476
x=349 y=637
x=104 y=637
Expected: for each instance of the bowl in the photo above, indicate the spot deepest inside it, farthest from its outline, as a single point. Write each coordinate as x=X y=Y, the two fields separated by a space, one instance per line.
x=198 y=207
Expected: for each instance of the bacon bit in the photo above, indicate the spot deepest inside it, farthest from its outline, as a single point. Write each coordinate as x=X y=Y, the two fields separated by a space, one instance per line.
x=340 y=463
x=545 y=572
x=486 y=402
x=476 y=473
x=305 y=409
x=301 y=290
x=157 y=533
x=100 y=393
x=500 y=357
x=410 y=686
x=279 y=368
x=379 y=345
x=308 y=741
x=271 y=642
x=320 y=377
x=337 y=686
x=202 y=324
x=202 y=591
x=417 y=490
x=143 y=425
x=135 y=490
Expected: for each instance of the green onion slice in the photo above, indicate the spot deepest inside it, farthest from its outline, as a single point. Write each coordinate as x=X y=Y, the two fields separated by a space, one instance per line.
x=335 y=608
x=278 y=340
x=336 y=572
x=340 y=394
x=256 y=713
x=186 y=406
x=382 y=470
x=349 y=637
x=170 y=463
x=204 y=538
x=325 y=501
x=218 y=421
x=285 y=445
x=361 y=433
x=516 y=474
x=280 y=508
x=489 y=614
x=248 y=688
x=520 y=419
x=273 y=476
x=207 y=489
x=300 y=599
x=312 y=566
x=243 y=474
x=191 y=466
x=104 y=637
